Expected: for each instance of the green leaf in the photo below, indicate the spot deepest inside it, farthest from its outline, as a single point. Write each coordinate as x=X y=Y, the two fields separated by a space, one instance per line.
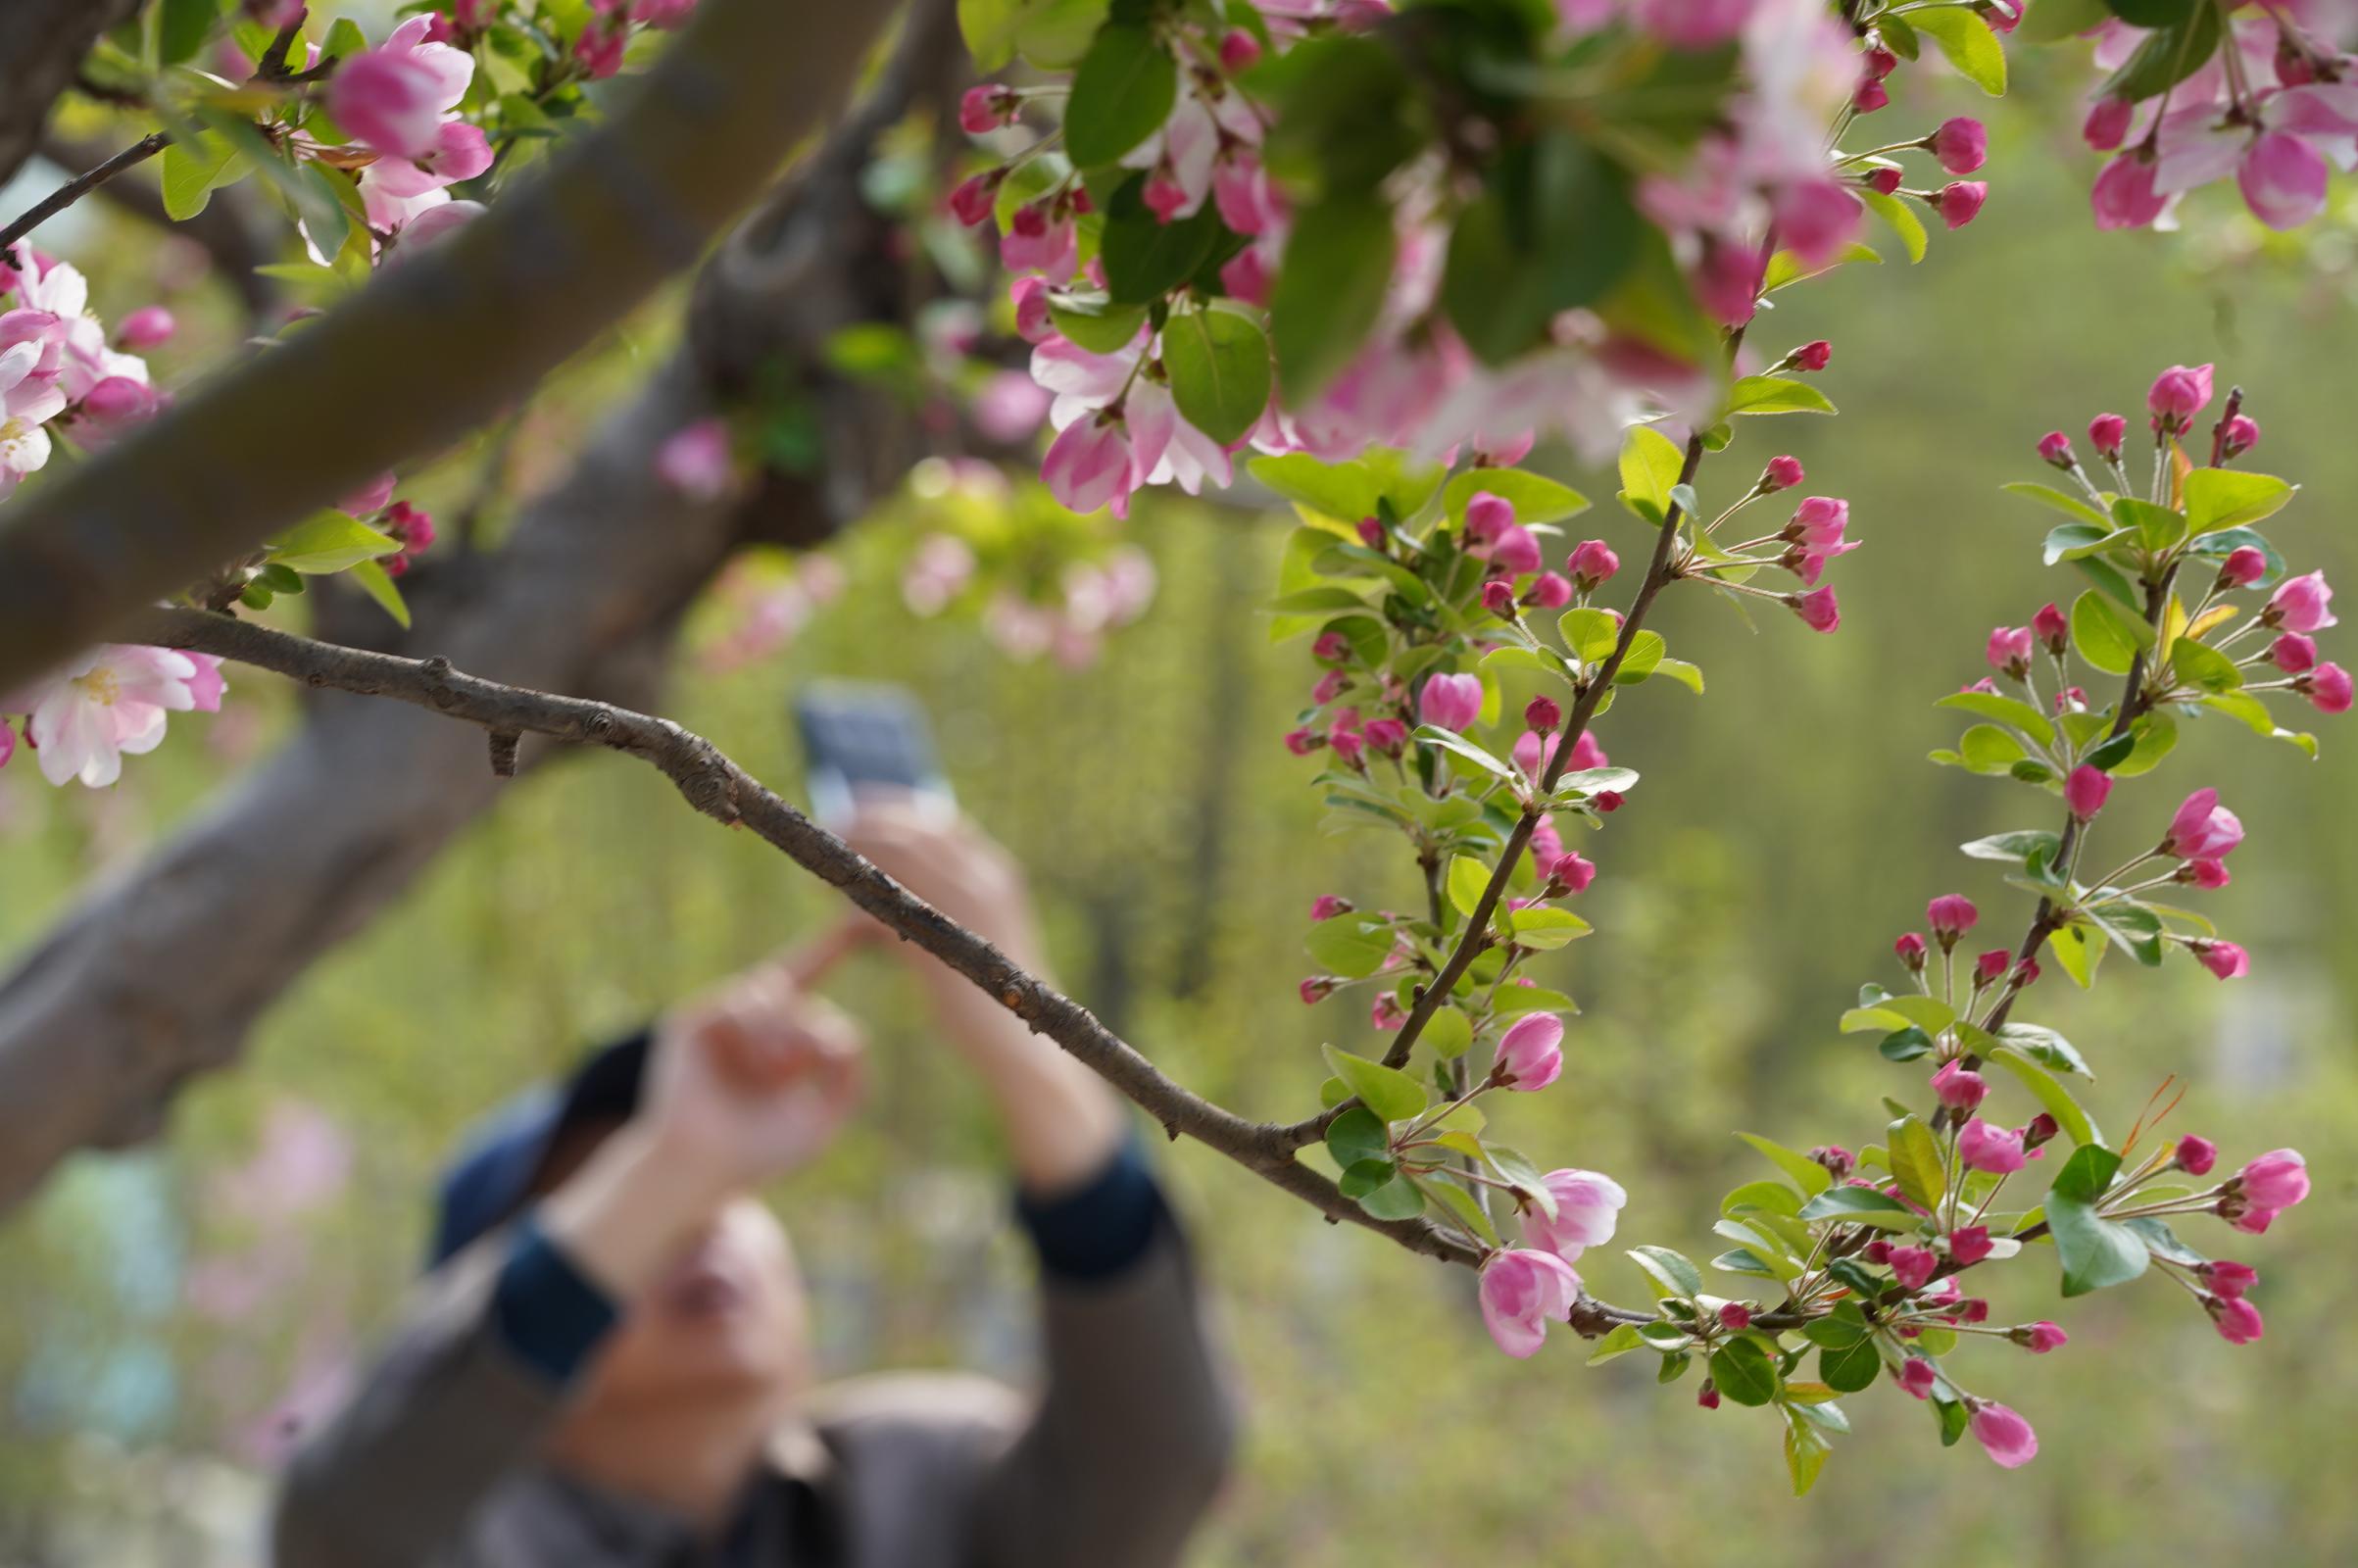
x=1448 y=1032
x=1121 y=94
x=2227 y=498
x=1671 y=1272
x=379 y=585
x=2048 y=495
x=2046 y=1047
x=2078 y=948
x=1457 y=1200
x=1544 y=930
x=2016 y=847
x=328 y=542
x=1650 y=465
x=1349 y=945
x=1330 y=291
x=1805 y=1452
x=1345 y=490
x=994 y=29
x=1687 y=675
x=2158 y=528
x=1644 y=655
x=1389 y=1093
x=2134 y=928
x=1802 y=1171
x=1093 y=321
x=2077 y=541
x=1860 y=1205
x=1398 y=1198
x=1742 y=1371
x=1590 y=634
x=1459 y=745
x=1623 y=1339
x=1916 y=1160
x=1967 y=42
x=1851 y=1368
x=2168 y=55
x=1218 y=361
x=1364 y=1176
x=2106 y=634
x=2007 y=711
x=2053 y=21
x=2095 y=1252
x=2050 y=1093
x=1358 y=1135
x=1986 y=748
x=1904 y=222
x=1535 y=497
x=1839 y=1329
x=1467 y=879
x=193 y=165
x=2205 y=667
x=1147 y=257
x=183 y=27
x=1903 y=1044
x=1515 y=1169
x=1775 y=394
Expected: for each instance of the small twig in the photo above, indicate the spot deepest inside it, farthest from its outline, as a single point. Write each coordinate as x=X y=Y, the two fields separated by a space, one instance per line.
x=75 y=189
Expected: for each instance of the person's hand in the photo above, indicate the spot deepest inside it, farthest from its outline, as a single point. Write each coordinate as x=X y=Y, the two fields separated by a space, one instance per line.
x=952 y=865
x=751 y=1080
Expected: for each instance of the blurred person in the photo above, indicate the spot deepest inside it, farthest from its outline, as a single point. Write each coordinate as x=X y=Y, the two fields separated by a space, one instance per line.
x=610 y=1361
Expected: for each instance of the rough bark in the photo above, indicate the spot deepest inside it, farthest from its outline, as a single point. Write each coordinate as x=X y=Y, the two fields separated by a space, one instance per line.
x=41 y=42
x=436 y=346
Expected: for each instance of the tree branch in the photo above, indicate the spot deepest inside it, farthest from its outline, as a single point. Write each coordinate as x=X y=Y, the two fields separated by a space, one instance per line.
x=228 y=229
x=73 y=190
x=720 y=789
x=433 y=348
x=46 y=40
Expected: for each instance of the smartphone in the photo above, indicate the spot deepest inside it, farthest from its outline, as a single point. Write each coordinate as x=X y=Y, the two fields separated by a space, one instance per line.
x=863 y=737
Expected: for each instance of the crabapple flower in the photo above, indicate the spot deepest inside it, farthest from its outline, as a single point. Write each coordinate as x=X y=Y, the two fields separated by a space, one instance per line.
x=149 y=326
x=2293 y=654
x=2086 y=791
x=1960 y=202
x=1912 y=1267
x=1961 y=145
x=28 y=400
x=2195 y=1155
x=1735 y=1317
x=2106 y=432
x=2242 y=434
x=2328 y=687
x=1817 y=609
x=2236 y=1320
x=695 y=461
x=2177 y=395
x=394 y=97
x=1520 y=1291
x=1950 y=916
x=2225 y=959
x=2055 y=449
x=2124 y=196
x=2301 y=604
x=1909 y=947
x=2283 y=179
x=1531 y=1053
x=1327 y=905
x=2009 y=650
x=1089 y=463
x=2107 y=123
x=2229 y=1279
x=2244 y=566
x=1969 y=1245
x=2202 y=829
x=2041 y=1337
x=1574 y=870
x=1781 y=474
x=1587 y=1208
x=1984 y=1147
x=2006 y=1437
x=1498 y=598
x=1958 y=1086
x=1451 y=702
x=1592 y=564
x=2277 y=1179
x=1916 y=1375
x=108 y=701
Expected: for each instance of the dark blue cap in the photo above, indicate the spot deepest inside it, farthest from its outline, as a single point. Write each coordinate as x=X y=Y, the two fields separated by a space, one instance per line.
x=487 y=1183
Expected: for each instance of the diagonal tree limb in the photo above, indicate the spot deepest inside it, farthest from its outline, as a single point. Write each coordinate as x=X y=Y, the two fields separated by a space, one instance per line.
x=229 y=229
x=41 y=44
x=434 y=347
x=720 y=789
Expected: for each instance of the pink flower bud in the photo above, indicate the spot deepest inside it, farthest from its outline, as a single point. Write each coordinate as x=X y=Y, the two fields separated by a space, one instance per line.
x=1916 y=1375
x=1520 y=1291
x=412 y=527
x=1327 y=905
x=1303 y=742
x=2299 y=604
x=2236 y=1320
x=1587 y=1206
x=2328 y=687
x=2041 y=1337
x=1969 y=1245
x=2086 y=791
x=2009 y=650
x=146 y=327
x=1708 y=1396
x=2124 y=196
x=1316 y=987
x=2105 y=432
x=1349 y=746
x=1781 y=474
x=1885 y=182
x=1331 y=647
x=1961 y=145
x=1238 y=51
x=1960 y=202
x=1388 y=736
x=1991 y=965
x=2197 y=1156
x=2244 y=566
x=2025 y=974
x=1817 y=609
x=1879 y=62
x=1735 y=1317
x=1498 y=598
x=1958 y=1086
x=1372 y=534
x=1950 y=916
x=2225 y=959
x=2051 y=630
x=2231 y=1280
x=1542 y=714
x=1573 y=871
x=1870 y=96
x=1972 y=1310
x=1548 y=591
x=2177 y=395
x=1163 y=196
x=2242 y=433
x=984 y=108
x=1877 y=1251
x=1531 y=1051
x=1515 y=550
x=1451 y=702
x=1606 y=801
x=1910 y=948
x=972 y=200
x=1487 y=517
x=2277 y=1179
x=1386 y=1013
x=2006 y=1437
x=1033 y=324
x=2055 y=449
x=697 y=462
x=1912 y=1267
x=2202 y=829
x=2107 y=124
x=1591 y=563
x=2209 y=875
x=2292 y=653
x=1813 y=356
x=1984 y=1147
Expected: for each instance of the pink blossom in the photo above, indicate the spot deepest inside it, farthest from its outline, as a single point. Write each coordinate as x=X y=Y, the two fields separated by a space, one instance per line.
x=1587 y=1206
x=2041 y=1336
x=2195 y=1155
x=1693 y=24
x=107 y=702
x=1958 y=1086
x=1961 y=145
x=146 y=327
x=1592 y=564
x=2105 y=432
x=2009 y=650
x=2236 y=1320
x=1969 y=1245
x=1385 y=1012
x=2177 y=395
x=1520 y=1291
x=1389 y=736
x=2051 y=630
x=1238 y=51
x=2124 y=196
x=1960 y=202
x=1315 y=988
x=1498 y=598
x=1781 y=474
x=2007 y=1437
x=1917 y=1376
x=2292 y=653
x=2300 y=604
x=2244 y=566
x=1030 y=297
x=1327 y=905
x=2231 y=1280
x=1912 y=1267
x=599 y=51
x=1815 y=219
x=1542 y=714
x=972 y=199
x=2277 y=1179
x=2055 y=449
x=2225 y=959
x=1089 y=463
x=1950 y=916
x=1515 y=552
x=1531 y=1051
x=1487 y=517
x=2242 y=434
x=8 y=742
x=1451 y=702
x=1734 y=1316
x=2107 y=123
x=2202 y=829
x=394 y=97
x=983 y=108
x=1984 y=1147
x=1812 y=356
x=1910 y=948
x=1036 y=242
x=1573 y=870
x=2282 y=180
x=2086 y=791
x=2211 y=875
x=695 y=461
x=2327 y=687
x=1817 y=609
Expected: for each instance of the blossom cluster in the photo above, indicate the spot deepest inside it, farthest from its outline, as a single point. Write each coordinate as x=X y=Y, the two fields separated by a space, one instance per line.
x=2269 y=98
x=1260 y=243
x=60 y=370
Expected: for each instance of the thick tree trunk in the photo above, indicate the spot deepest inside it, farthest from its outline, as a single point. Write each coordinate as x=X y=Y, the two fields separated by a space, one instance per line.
x=41 y=42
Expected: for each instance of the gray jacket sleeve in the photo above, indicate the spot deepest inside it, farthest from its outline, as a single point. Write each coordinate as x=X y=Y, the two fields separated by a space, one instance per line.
x=448 y=1412
x=1133 y=1432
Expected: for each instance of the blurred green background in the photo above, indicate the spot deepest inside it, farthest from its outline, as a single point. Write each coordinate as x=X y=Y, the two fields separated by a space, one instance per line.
x=162 y=1311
